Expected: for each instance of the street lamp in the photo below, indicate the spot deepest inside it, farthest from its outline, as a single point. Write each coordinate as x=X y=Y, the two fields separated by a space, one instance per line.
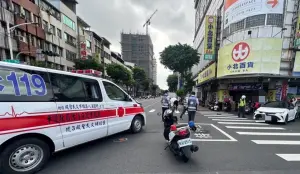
x=9 y=30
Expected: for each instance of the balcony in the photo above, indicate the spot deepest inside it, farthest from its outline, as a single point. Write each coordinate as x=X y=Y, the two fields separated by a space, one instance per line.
x=7 y=15
x=23 y=47
x=71 y=43
x=20 y=20
x=4 y=43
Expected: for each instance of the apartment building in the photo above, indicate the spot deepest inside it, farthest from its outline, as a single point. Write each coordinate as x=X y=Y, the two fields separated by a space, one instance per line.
x=67 y=9
x=117 y=58
x=138 y=48
x=154 y=71
x=84 y=40
x=6 y=14
x=29 y=37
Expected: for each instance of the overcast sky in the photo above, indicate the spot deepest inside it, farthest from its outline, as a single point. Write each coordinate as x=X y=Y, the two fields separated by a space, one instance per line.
x=173 y=23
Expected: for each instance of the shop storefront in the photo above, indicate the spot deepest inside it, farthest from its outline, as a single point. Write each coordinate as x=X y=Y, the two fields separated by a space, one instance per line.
x=207 y=84
x=248 y=68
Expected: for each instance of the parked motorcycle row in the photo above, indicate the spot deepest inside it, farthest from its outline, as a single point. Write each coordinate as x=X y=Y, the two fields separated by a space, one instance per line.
x=227 y=107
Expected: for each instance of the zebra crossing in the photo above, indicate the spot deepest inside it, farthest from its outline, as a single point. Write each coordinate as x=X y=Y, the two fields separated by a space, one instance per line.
x=258 y=130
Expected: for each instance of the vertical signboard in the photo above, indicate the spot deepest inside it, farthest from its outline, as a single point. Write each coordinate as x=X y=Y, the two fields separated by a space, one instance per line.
x=210 y=37
x=83 y=53
x=297 y=36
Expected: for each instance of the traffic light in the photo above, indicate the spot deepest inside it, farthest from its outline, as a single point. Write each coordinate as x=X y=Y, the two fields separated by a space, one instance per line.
x=50 y=53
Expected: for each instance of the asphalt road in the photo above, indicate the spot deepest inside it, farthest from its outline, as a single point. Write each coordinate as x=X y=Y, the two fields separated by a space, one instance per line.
x=227 y=145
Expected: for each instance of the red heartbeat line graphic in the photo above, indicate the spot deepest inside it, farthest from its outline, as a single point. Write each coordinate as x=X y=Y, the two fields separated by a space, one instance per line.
x=13 y=113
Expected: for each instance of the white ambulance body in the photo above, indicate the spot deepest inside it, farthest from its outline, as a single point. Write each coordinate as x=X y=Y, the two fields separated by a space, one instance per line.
x=43 y=111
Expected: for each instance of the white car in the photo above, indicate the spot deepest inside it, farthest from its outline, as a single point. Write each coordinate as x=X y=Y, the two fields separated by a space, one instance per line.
x=279 y=111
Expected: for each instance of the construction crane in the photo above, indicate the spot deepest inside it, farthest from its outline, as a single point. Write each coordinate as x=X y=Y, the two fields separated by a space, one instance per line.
x=148 y=22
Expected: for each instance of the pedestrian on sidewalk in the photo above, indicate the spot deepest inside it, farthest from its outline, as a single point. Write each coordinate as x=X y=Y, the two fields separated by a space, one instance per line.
x=241 y=106
x=193 y=103
x=185 y=106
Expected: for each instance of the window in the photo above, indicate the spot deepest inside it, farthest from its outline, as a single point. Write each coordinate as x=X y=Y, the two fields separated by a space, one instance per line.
x=75 y=89
x=31 y=86
x=37 y=19
x=254 y=21
x=45 y=24
x=47 y=46
x=276 y=104
x=17 y=8
x=52 y=28
x=114 y=92
x=32 y=40
x=275 y=19
x=60 y=51
x=27 y=14
x=70 y=39
x=54 y=48
x=70 y=55
x=38 y=43
x=88 y=44
x=68 y=22
x=59 y=33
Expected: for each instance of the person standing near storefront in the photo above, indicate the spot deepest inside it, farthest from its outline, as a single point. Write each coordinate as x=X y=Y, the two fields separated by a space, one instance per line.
x=193 y=102
x=241 y=106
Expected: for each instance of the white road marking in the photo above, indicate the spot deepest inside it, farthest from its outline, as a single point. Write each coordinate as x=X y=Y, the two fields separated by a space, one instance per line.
x=233 y=120
x=276 y=142
x=230 y=138
x=238 y=123
x=260 y=121
x=229 y=117
x=247 y=127
x=269 y=133
x=227 y=135
x=152 y=110
x=218 y=115
x=151 y=104
x=290 y=157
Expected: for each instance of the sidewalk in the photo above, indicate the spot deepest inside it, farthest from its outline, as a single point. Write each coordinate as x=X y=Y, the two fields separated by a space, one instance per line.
x=200 y=108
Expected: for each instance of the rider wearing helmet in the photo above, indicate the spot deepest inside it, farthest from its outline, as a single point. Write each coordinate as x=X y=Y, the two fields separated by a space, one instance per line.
x=165 y=103
x=242 y=105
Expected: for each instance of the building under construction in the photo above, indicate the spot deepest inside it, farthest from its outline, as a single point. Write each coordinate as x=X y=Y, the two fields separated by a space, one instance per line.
x=138 y=48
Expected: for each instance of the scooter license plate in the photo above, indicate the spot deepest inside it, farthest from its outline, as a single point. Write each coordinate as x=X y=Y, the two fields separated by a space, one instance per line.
x=184 y=142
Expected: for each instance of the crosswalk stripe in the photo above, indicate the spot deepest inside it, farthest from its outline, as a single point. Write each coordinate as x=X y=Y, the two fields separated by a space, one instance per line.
x=289 y=157
x=269 y=133
x=239 y=123
x=260 y=121
x=276 y=142
x=233 y=120
x=248 y=127
x=230 y=117
x=217 y=115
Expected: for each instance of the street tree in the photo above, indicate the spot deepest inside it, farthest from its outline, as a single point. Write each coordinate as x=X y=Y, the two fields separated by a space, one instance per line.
x=139 y=75
x=146 y=85
x=88 y=64
x=172 y=81
x=179 y=58
x=118 y=73
x=189 y=82
x=180 y=93
x=154 y=89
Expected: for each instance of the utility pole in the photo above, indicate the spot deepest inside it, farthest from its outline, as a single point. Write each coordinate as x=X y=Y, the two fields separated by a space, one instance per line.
x=148 y=22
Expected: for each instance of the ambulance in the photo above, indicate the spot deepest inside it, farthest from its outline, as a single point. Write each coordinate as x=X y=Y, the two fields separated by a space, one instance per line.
x=43 y=111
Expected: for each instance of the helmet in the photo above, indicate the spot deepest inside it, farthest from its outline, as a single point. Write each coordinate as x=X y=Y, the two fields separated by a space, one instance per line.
x=243 y=96
x=166 y=91
x=191 y=124
x=168 y=112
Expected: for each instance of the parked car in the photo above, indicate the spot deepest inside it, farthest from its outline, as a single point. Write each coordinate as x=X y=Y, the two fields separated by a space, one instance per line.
x=278 y=111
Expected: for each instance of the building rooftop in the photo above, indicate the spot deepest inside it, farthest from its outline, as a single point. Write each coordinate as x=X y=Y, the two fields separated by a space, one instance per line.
x=80 y=20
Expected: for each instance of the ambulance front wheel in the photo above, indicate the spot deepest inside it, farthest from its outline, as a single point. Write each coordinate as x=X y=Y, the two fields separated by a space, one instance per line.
x=24 y=156
x=136 y=124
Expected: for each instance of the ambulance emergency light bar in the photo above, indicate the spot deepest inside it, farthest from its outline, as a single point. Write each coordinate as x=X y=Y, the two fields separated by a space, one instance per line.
x=89 y=72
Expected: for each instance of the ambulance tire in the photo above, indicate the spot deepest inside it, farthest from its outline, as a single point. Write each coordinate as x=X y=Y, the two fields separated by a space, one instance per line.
x=136 y=124
x=21 y=145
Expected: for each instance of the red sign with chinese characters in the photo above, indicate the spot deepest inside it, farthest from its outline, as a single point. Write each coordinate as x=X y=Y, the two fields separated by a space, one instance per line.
x=83 y=53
